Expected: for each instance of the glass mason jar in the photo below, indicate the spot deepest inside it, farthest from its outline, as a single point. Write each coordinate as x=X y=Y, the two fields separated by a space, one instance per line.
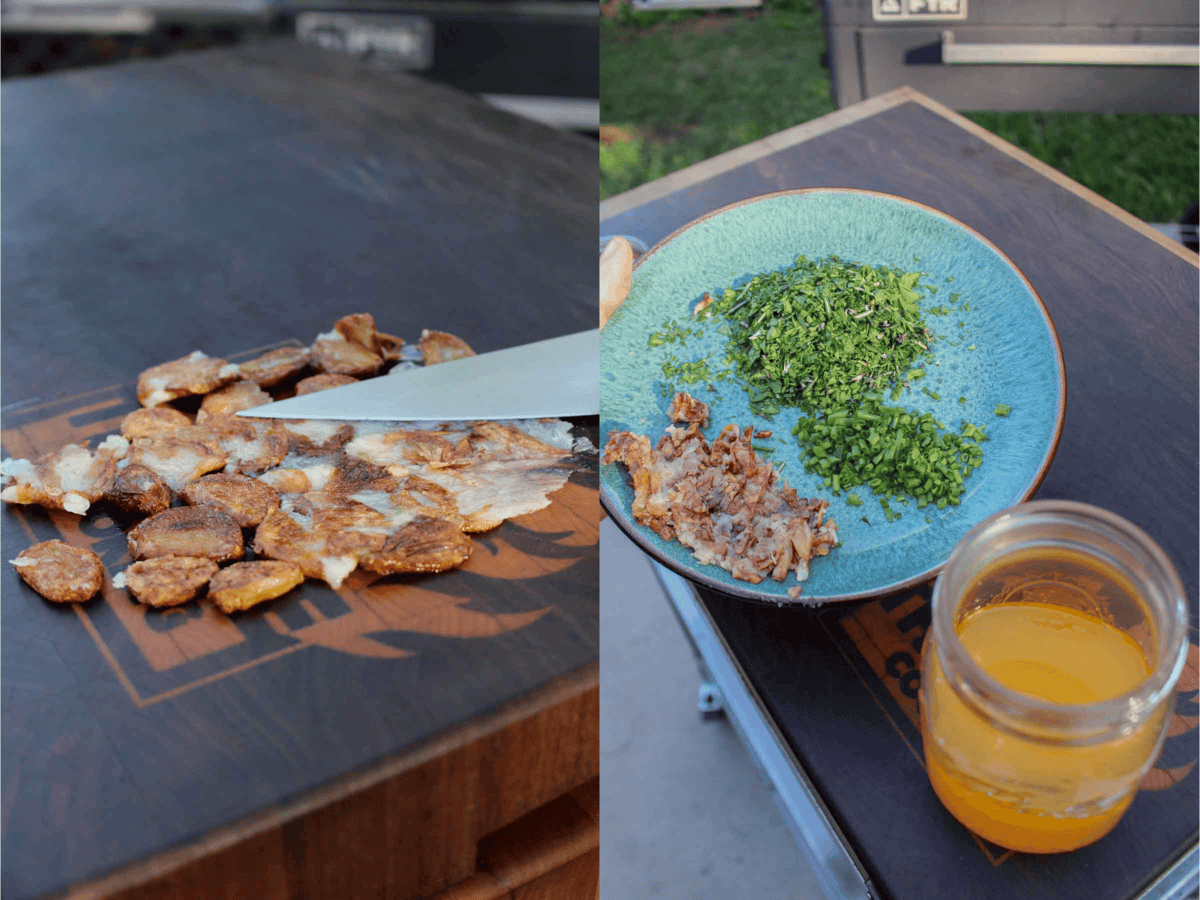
x=1058 y=633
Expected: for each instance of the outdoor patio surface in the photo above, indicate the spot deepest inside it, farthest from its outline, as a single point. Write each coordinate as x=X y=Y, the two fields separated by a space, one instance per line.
x=684 y=812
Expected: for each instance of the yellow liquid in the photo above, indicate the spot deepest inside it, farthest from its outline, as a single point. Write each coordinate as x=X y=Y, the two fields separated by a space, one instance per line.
x=1020 y=794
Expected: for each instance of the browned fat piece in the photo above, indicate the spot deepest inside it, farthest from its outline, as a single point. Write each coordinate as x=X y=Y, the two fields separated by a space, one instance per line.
x=168 y=580
x=359 y=329
x=251 y=445
x=177 y=459
x=685 y=408
x=324 y=534
x=197 y=373
x=59 y=572
x=71 y=478
x=232 y=399
x=334 y=355
x=152 y=421
x=276 y=367
x=441 y=346
x=139 y=490
x=388 y=346
x=244 y=584
x=315 y=383
x=188 y=531
x=245 y=500
x=423 y=545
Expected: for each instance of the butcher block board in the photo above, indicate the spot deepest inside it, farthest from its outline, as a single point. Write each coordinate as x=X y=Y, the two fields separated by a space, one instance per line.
x=129 y=730
x=358 y=742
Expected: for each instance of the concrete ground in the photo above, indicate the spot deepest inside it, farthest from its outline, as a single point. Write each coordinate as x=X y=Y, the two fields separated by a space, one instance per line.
x=684 y=812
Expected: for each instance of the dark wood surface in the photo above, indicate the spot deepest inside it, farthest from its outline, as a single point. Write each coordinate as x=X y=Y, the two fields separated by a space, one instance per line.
x=458 y=818
x=230 y=201
x=841 y=683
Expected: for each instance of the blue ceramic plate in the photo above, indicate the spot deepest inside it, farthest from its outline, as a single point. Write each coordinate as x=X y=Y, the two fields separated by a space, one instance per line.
x=1015 y=360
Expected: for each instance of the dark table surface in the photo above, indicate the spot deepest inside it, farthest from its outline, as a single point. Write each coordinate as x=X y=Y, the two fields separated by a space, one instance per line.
x=841 y=683
x=229 y=201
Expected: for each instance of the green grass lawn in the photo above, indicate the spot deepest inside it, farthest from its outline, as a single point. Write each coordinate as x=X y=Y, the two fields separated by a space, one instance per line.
x=687 y=86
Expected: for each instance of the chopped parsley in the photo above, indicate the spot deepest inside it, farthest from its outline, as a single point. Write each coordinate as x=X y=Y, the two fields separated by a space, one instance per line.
x=823 y=334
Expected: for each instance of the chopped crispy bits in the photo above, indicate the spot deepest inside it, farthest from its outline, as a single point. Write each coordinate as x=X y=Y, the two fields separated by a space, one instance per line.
x=440 y=346
x=245 y=500
x=315 y=383
x=423 y=545
x=245 y=584
x=139 y=490
x=723 y=501
x=168 y=580
x=152 y=421
x=60 y=572
x=251 y=445
x=232 y=399
x=178 y=456
x=71 y=479
x=684 y=408
x=188 y=531
x=276 y=367
x=196 y=373
x=334 y=355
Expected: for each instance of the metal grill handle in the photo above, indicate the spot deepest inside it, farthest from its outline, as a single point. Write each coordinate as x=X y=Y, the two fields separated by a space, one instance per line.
x=1068 y=54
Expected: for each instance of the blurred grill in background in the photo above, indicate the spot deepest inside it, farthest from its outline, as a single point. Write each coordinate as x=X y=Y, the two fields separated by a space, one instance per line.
x=535 y=58
x=1107 y=56
x=42 y=36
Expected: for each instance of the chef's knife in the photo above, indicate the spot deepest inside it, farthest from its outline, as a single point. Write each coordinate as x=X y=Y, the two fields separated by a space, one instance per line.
x=553 y=378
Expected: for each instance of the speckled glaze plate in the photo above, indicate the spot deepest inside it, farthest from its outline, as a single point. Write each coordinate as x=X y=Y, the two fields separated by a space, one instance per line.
x=1016 y=360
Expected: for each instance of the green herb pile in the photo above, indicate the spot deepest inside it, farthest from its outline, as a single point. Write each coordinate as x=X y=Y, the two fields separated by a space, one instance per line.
x=832 y=338
x=896 y=453
x=820 y=335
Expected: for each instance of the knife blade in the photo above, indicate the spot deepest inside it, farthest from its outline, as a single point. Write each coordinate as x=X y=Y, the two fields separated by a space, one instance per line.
x=551 y=378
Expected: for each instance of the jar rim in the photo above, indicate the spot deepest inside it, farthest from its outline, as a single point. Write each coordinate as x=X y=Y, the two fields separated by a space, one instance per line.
x=1090 y=721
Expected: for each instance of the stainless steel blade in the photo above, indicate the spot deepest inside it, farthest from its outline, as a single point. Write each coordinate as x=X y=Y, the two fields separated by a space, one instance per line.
x=556 y=377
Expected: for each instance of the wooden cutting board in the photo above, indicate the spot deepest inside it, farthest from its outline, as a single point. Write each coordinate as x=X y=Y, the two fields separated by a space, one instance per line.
x=359 y=742
x=178 y=721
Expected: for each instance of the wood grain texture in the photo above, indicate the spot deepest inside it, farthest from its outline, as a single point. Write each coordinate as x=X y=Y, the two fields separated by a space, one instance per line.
x=418 y=831
x=1050 y=173
x=237 y=199
x=1124 y=304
